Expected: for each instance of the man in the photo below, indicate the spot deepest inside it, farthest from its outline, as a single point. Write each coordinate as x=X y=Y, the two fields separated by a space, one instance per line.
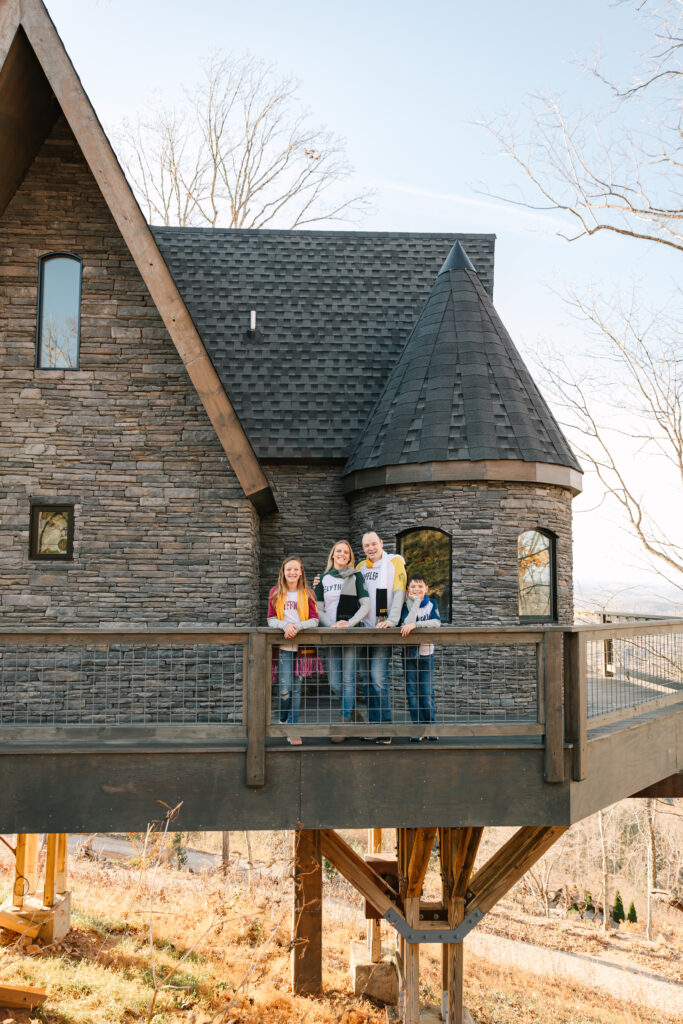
x=385 y=579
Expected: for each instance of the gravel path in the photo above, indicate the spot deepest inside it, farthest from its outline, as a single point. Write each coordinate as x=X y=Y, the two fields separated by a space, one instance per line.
x=631 y=984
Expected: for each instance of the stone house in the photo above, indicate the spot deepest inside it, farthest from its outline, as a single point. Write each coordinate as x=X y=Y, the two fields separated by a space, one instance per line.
x=161 y=452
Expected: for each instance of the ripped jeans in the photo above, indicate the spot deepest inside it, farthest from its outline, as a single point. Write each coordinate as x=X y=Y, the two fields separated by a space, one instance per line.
x=288 y=687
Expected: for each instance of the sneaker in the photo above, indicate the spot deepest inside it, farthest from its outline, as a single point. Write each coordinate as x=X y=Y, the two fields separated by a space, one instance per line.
x=417 y=739
x=294 y=741
x=432 y=739
x=383 y=740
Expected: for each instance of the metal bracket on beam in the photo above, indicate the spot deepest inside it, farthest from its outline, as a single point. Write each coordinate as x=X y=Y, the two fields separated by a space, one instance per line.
x=416 y=936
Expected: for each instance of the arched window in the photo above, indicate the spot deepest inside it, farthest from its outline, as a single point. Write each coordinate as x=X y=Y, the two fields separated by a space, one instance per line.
x=537 y=575
x=429 y=551
x=59 y=312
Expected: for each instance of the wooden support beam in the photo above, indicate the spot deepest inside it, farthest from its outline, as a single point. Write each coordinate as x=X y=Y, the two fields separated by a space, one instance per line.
x=50 y=887
x=412 y=964
x=60 y=870
x=307 y=960
x=357 y=872
x=374 y=926
x=458 y=848
x=25 y=867
x=508 y=865
x=258 y=706
x=575 y=702
x=419 y=860
x=554 y=722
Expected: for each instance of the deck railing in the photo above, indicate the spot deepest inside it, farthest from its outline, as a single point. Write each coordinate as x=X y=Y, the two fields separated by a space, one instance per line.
x=137 y=688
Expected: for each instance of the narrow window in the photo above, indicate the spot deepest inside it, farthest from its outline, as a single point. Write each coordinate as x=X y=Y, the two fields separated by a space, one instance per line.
x=429 y=552
x=52 y=532
x=536 y=568
x=59 y=312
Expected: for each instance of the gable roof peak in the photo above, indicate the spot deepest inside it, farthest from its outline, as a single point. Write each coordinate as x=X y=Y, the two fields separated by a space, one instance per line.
x=457 y=259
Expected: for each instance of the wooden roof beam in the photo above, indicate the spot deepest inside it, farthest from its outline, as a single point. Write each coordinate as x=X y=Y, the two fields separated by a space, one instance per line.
x=37 y=100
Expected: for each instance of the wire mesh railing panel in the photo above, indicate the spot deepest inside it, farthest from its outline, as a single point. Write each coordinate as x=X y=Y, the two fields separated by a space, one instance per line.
x=121 y=684
x=403 y=685
x=624 y=672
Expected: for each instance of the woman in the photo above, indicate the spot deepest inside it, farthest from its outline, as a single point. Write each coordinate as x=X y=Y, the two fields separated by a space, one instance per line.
x=343 y=601
x=291 y=608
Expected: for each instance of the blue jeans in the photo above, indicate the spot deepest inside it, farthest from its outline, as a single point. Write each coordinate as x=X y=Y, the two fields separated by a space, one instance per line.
x=419 y=685
x=375 y=662
x=341 y=675
x=288 y=687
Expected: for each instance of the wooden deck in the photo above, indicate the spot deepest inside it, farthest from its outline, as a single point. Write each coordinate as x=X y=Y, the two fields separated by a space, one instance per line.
x=86 y=745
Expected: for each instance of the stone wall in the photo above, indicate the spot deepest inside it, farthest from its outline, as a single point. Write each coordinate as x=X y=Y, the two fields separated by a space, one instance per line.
x=312 y=514
x=163 y=533
x=484 y=520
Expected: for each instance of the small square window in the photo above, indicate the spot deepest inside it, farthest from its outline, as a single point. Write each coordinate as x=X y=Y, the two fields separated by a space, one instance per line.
x=52 y=532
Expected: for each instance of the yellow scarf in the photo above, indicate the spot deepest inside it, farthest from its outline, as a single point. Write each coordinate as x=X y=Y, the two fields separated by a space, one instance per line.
x=302 y=598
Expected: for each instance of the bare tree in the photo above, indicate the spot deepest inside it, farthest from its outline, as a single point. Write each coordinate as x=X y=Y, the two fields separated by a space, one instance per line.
x=617 y=169
x=624 y=408
x=238 y=152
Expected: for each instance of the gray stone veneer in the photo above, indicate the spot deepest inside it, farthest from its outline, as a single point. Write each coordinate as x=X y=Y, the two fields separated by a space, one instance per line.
x=312 y=514
x=484 y=520
x=163 y=532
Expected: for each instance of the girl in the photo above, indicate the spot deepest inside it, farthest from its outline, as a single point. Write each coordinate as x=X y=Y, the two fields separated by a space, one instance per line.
x=343 y=601
x=291 y=608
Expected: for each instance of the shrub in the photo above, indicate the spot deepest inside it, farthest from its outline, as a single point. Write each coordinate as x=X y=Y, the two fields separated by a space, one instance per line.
x=589 y=902
x=618 y=908
x=632 y=916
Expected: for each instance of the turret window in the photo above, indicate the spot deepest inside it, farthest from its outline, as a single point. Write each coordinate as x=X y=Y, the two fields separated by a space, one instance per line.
x=429 y=551
x=59 y=312
x=537 y=576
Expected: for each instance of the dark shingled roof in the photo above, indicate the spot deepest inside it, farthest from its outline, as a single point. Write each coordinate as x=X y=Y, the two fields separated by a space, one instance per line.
x=459 y=390
x=333 y=308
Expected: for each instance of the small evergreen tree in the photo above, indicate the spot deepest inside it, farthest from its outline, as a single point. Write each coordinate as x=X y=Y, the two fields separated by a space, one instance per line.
x=618 y=908
x=589 y=902
x=632 y=916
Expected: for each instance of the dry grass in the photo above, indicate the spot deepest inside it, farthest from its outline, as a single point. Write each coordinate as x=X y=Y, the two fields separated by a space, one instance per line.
x=231 y=949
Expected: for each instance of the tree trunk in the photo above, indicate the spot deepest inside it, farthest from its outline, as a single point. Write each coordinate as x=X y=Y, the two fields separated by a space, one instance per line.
x=605 y=876
x=225 y=851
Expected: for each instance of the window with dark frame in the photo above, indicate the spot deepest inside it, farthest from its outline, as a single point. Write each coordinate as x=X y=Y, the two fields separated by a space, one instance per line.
x=52 y=532
x=429 y=551
x=58 y=329
x=537 y=570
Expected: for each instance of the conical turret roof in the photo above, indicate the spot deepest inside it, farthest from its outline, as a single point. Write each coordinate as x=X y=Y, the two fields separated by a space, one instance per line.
x=460 y=390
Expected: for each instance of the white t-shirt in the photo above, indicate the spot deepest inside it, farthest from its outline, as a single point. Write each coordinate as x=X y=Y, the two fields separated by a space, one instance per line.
x=332 y=588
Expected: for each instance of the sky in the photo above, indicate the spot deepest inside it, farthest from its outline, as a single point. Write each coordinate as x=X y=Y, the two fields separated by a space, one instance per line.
x=406 y=86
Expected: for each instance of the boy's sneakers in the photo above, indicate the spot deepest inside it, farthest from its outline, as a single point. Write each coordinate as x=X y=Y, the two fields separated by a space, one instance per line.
x=383 y=740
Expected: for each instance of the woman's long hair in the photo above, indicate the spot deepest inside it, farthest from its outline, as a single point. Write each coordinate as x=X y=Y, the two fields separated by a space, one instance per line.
x=281 y=587
x=330 y=560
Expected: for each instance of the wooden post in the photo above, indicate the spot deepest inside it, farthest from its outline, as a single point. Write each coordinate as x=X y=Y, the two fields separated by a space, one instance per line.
x=60 y=872
x=20 y=889
x=554 y=725
x=26 y=867
x=576 y=712
x=456 y=913
x=258 y=707
x=410 y=953
x=307 y=960
x=50 y=870
x=375 y=927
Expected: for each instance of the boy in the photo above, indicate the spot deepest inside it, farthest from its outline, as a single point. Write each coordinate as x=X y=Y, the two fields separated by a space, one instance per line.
x=420 y=610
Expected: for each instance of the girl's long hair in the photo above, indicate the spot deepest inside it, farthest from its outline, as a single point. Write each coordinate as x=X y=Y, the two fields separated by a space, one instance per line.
x=330 y=560
x=281 y=587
